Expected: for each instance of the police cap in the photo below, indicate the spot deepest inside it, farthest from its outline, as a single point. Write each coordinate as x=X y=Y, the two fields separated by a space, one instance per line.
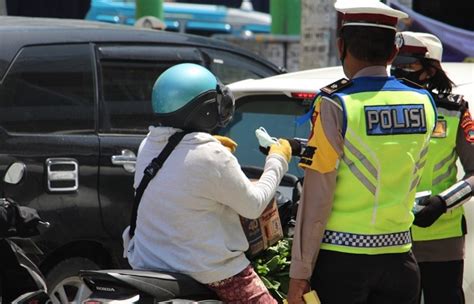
x=419 y=45
x=368 y=13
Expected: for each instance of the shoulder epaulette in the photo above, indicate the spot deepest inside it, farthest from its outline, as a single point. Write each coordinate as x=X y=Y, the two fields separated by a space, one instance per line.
x=336 y=86
x=410 y=83
x=450 y=101
x=456 y=98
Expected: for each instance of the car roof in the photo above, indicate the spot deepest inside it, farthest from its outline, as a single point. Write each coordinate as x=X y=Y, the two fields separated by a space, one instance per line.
x=17 y=32
x=309 y=81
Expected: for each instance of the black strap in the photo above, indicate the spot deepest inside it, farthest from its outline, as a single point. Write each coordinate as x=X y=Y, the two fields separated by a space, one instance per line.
x=150 y=172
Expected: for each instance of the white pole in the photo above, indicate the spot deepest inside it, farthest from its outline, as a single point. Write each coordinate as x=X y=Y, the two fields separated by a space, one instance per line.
x=3 y=7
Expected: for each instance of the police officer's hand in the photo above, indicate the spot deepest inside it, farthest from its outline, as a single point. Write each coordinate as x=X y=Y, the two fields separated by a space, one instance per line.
x=227 y=142
x=295 y=145
x=297 y=289
x=434 y=207
x=282 y=148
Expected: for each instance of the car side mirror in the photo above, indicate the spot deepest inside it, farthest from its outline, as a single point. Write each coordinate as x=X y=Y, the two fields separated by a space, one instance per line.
x=15 y=173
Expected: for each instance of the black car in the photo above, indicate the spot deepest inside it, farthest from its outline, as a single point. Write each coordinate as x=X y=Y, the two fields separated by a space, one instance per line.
x=74 y=106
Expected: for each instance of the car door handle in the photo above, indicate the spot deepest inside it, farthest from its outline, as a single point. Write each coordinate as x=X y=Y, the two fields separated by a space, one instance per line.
x=127 y=159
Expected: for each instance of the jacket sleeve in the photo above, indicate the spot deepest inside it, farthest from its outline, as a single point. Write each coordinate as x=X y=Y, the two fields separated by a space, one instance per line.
x=465 y=150
x=248 y=198
x=318 y=187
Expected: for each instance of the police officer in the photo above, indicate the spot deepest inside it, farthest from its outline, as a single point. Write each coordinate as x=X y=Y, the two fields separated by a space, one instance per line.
x=368 y=142
x=439 y=247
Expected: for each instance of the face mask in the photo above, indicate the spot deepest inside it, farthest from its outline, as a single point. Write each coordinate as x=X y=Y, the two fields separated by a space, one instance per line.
x=413 y=76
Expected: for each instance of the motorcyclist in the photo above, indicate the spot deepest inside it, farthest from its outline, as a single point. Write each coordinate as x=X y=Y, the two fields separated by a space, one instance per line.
x=440 y=226
x=188 y=217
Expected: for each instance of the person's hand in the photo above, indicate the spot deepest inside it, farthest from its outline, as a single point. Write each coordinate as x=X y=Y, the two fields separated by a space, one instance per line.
x=295 y=145
x=283 y=148
x=297 y=289
x=433 y=208
x=227 y=142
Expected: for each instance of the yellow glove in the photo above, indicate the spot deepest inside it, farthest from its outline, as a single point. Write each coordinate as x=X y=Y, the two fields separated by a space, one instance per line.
x=283 y=148
x=227 y=142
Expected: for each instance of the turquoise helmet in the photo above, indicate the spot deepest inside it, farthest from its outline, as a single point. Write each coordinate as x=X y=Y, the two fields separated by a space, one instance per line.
x=189 y=97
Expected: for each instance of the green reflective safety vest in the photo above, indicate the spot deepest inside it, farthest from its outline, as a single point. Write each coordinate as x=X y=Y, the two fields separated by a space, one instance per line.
x=440 y=173
x=387 y=130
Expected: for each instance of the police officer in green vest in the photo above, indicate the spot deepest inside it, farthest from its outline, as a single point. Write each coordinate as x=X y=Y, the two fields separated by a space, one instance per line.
x=440 y=227
x=363 y=161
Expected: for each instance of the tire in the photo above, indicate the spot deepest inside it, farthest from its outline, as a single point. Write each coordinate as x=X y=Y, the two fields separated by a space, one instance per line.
x=64 y=284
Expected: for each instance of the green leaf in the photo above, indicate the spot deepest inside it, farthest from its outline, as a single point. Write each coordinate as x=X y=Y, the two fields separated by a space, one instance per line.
x=270 y=284
x=273 y=263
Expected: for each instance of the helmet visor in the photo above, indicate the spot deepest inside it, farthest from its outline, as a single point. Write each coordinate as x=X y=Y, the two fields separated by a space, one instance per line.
x=225 y=104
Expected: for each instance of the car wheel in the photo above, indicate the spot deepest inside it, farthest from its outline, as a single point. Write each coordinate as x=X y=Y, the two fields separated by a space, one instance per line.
x=64 y=284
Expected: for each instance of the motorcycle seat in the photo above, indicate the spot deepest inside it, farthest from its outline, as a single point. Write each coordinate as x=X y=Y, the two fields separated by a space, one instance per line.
x=161 y=285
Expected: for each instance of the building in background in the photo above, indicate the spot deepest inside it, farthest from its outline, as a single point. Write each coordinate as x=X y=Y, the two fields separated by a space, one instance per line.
x=450 y=20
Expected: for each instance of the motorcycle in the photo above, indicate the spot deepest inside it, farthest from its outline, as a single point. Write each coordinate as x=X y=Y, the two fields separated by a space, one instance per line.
x=139 y=286
x=21 y=281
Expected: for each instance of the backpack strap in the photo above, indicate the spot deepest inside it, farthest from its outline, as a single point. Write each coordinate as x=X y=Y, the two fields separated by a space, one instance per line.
x=150 y=172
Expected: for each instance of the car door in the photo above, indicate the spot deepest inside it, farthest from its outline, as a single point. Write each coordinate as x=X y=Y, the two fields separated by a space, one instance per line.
x=126 y=76
x=47 y=109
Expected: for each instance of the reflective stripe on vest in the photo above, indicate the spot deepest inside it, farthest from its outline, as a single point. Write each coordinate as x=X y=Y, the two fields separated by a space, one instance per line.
x=380 y=168
x=439 y=174
x=366 y=240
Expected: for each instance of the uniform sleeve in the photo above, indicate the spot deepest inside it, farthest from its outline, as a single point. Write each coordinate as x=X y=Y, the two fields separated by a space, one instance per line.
x=318 y=189
x=464 y=144
x=322 y=152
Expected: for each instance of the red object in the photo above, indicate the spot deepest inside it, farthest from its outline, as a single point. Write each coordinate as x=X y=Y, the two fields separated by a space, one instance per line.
x=302 y=95
x=370 y=18
x=468 y=126
x=413 y=49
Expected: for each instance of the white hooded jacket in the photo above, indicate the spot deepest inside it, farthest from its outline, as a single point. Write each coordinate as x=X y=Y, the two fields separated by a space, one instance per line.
x=188 y=218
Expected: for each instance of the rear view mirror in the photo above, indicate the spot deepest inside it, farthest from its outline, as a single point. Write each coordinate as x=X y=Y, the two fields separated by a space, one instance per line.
x=14 y=173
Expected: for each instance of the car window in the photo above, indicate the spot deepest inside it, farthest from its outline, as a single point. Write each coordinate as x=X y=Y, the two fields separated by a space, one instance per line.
x=49 y=89
x=126 y=89
x=127 y=77
x=230 y=67
x=277 y=114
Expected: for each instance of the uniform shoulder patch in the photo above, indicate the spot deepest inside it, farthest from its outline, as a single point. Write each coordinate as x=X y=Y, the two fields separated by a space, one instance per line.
x=336 y=86
x=410 y=83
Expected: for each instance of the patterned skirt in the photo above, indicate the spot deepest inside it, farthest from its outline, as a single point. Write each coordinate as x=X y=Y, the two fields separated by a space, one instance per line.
x=243 y=288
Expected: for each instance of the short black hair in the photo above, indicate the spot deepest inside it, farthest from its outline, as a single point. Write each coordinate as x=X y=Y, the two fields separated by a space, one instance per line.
x=367 y=43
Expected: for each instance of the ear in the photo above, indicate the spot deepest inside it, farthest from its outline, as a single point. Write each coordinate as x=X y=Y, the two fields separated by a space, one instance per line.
x=340 y=46
x=431 y=71
x=393 y=54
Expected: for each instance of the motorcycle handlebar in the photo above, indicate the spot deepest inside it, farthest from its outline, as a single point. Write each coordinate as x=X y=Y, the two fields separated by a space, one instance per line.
x=44 y=224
